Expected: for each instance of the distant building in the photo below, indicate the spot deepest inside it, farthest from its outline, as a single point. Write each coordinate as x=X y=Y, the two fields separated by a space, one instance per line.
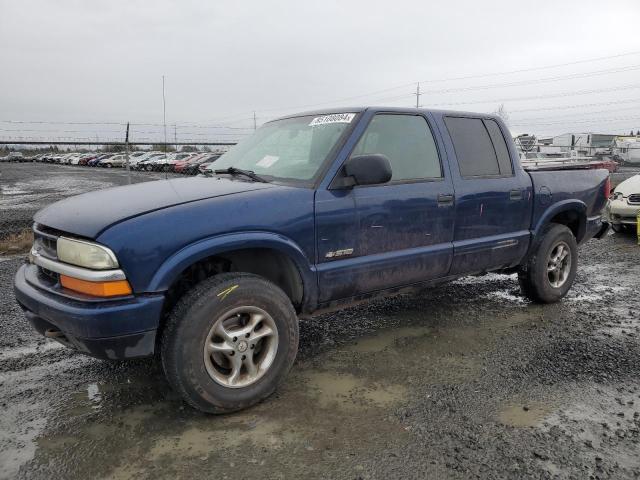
x=584 y=144
x=627 y=148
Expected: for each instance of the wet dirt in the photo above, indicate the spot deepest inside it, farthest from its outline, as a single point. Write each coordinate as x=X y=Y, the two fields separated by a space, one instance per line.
x=25 y=188
x=469 y=380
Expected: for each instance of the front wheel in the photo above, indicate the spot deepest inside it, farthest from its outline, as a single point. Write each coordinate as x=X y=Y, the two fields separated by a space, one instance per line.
x=551 y=269
x=229 y=342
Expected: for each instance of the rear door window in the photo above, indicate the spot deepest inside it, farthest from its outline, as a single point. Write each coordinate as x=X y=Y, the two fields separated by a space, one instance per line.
x=474 y=148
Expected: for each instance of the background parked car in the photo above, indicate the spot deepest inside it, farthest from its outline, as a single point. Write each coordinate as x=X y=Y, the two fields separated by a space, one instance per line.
x=14 y=157
x=624 y=205
x=166 y=164
x=190 y=165
x=140 y=160
x=98 y=159
x=208 y=166
x=146 y=163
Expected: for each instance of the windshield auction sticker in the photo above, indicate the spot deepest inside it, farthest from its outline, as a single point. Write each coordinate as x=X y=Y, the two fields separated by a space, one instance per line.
x=333 y=118
x=267 y=161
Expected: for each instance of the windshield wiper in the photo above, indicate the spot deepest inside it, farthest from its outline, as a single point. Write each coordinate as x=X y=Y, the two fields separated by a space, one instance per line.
x=239 y=171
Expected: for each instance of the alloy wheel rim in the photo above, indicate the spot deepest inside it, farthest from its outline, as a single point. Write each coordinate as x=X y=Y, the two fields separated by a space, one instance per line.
x=559 y=265
x=240 y=347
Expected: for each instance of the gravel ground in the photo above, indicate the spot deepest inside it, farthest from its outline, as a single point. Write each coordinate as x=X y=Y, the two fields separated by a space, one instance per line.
x=469 y=380
x=465 y=381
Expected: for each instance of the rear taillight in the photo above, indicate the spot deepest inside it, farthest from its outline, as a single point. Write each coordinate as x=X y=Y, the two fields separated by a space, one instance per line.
x=607 y=187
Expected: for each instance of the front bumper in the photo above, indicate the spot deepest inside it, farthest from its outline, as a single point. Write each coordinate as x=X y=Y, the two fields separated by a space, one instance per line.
x=112 y=329
x=620 y=212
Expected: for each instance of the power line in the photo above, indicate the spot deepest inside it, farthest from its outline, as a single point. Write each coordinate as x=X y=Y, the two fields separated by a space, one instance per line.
x=544 y=67
x=558 y=78
x=465 y=77
x=178 y=125
x=576 y=105
x=541 y=97
x=572 y=115
x=565 y=122
x=418 y=94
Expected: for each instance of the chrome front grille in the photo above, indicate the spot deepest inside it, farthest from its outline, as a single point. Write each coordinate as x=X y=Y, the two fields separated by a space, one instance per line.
x=45 y=241
x=634 y=199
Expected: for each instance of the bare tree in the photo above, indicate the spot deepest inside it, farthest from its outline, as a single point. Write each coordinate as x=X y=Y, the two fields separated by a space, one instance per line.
x=502 y=113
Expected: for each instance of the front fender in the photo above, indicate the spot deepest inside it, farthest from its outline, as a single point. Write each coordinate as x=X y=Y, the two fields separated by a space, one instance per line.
x=173 y=266
x=557 y=208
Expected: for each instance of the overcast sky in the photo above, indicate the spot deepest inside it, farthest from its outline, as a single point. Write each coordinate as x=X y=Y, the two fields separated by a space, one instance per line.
x=103 y=61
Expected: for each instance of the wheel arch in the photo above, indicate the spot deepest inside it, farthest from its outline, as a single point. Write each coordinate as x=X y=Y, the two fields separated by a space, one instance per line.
x=272 y=256
x=571 y=213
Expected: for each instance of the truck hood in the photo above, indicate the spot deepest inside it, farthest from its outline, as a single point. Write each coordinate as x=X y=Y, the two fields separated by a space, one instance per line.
x=89 y=214
x=629 y=186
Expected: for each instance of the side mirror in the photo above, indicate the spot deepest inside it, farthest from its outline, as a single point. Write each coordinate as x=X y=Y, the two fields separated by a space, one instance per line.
x=372 y=169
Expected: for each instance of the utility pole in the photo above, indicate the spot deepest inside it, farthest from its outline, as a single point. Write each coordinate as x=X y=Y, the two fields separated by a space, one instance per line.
x=164 y=118
x=418 y=95
x=164 y=123
x=254 y=121
x=126 y=154
x=175 y=135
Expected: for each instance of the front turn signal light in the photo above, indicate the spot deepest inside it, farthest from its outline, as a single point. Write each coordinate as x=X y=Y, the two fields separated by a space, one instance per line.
x=96 y=289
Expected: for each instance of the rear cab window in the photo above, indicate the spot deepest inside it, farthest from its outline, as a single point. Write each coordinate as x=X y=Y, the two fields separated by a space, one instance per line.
x=480 y=147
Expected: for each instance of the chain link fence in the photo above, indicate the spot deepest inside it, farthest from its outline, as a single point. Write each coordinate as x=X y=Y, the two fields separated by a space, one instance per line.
x=31 y=180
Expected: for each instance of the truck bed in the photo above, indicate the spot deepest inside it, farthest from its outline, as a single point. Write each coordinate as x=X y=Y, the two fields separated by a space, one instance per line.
x=553 y=186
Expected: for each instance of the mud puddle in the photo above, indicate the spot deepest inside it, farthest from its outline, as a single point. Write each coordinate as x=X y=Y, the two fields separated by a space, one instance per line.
x=425 y=386
x=525 y=414
x=333 y=409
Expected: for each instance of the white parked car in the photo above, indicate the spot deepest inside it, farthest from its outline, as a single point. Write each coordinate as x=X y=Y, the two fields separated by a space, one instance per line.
x=161 y=164
x=75 y=159
x=142 y=157
x=66 y=158
x=624 y=205
x=135 y=157
x=114 y=161
x=14 y=157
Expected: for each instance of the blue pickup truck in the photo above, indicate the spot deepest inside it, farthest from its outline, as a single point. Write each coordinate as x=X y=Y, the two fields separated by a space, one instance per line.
x=312 y=212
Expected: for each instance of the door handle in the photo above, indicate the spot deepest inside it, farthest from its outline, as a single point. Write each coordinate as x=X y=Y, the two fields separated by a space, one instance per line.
x=445 y=199
x=515 y=195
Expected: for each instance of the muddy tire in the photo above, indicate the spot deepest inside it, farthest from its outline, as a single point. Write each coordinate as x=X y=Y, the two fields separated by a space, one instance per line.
x=551 y=269
x=229 y=342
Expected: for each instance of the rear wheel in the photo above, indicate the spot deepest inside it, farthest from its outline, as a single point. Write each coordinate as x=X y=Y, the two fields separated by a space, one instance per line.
x=551 y=269
x=229 y=342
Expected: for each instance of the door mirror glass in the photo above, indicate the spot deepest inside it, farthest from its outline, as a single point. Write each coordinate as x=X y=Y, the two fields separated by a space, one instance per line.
x=372 y=169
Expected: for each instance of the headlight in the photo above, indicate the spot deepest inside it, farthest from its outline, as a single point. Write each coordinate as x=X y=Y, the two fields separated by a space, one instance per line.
x=617 y=196
x=85 y=254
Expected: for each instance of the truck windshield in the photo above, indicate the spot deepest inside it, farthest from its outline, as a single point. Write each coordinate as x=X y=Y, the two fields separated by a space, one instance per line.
x=291 y=149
